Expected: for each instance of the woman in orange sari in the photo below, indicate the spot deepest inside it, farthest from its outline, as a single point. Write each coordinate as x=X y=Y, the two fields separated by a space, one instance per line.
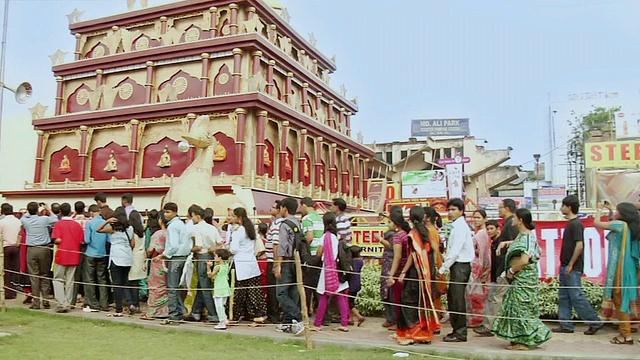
x=418 y=321
x=433 y=221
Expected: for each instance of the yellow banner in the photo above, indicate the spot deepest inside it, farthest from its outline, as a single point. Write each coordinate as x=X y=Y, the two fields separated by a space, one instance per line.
x=613 y=154
x=364 y=236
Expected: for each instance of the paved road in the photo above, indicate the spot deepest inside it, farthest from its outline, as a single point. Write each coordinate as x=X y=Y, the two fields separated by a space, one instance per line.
x=372 y=335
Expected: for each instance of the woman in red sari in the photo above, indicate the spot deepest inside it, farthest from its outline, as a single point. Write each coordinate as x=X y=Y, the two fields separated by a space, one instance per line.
x=478 y=289
x=418 y=321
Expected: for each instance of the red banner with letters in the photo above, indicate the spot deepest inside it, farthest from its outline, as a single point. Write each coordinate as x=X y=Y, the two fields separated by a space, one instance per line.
x=596 y=249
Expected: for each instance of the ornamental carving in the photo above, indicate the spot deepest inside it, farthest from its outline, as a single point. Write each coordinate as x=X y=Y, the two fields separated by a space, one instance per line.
x=125 y=91
x=82 y=96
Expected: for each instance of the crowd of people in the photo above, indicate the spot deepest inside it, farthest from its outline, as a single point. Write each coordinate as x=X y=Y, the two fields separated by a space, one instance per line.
x=490 y=275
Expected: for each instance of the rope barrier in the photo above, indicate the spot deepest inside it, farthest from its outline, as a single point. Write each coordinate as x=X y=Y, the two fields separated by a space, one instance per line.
x=376 y=301
x=467 y=283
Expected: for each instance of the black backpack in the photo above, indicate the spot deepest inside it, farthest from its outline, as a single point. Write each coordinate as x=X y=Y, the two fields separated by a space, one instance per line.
x=345 y=261
x=300 y=243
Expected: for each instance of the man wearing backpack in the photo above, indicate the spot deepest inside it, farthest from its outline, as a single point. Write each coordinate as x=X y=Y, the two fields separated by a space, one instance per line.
x=313 y=229
x=285 y=270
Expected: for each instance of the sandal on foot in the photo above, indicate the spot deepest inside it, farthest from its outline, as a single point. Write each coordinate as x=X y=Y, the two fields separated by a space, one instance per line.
x=621 y=340
x=518 y=347
x=315 y=328
x=405 y=342
x=361 y=320
x=169 y=322
x=114 y=314
x=341 y=329
x=146 y=317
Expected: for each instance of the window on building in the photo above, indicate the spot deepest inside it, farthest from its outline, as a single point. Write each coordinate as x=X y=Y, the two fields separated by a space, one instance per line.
x=460 y=150
x=389 y=159
x=379 y=156
x=447 y=153
x=414 y=151
x=403 y=154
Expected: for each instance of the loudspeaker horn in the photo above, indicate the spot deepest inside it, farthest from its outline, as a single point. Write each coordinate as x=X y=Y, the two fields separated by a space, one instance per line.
x=23 y=92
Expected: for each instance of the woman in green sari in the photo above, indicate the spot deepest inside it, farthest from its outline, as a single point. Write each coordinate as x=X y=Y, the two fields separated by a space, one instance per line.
x=621 y=285
x=518 y=320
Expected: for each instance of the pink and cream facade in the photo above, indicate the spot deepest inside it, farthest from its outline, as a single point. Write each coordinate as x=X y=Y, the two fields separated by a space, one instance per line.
x=141 y=78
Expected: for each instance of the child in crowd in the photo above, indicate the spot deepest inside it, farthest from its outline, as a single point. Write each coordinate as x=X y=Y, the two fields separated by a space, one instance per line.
x=355 y=283
x=221 y=290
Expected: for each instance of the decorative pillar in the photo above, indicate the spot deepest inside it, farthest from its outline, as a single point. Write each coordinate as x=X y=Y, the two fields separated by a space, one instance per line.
x=59 y=95
x=78 y=52
x=273 y=35
x=287 y=88
x=302 y=146
x=37 y=177
x=318 y=163
x=305 y=99
x=331 y=120
x=356 y=175
x=149 y=83
x=83 y=152
x=250 y=11
x=237 y=67
x=133 y=148
x=341 y=120
x=257 y=56
x=284 y=133
x=270 y=89
x=345 y=172
x=191 y=154
x=347 y=122
x=261 y=147
x=233 y=24
x=99 y=78
x=333 y=170
x=163 y=25
x=318 y=103
x=242 y=127
x=213 y=25
x=204 y=79
x=365 y=178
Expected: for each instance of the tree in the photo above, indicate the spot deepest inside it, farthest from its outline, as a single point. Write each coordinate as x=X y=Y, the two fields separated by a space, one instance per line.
x=582 y=128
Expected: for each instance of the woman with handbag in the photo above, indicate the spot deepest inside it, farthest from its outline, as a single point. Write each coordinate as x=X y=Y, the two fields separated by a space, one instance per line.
x=329 y=282
x=518 y=320
x=621 y=285
x=120 y=256
x=433 y=221
x=249 y=299
x=418 y=321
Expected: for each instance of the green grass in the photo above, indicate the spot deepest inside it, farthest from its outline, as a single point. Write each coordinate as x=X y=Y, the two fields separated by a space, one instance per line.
x=37 y=335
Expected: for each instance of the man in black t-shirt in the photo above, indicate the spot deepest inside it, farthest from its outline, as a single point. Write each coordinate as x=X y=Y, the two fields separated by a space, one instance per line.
x=571 y=266
x=499 y=285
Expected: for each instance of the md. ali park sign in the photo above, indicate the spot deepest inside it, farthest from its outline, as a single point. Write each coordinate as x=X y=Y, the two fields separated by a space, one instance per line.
x=440 y=127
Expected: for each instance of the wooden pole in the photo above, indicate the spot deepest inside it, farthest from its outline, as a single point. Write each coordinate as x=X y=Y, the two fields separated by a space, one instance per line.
x=3 y=303
x=233 y=294
x=303 y=301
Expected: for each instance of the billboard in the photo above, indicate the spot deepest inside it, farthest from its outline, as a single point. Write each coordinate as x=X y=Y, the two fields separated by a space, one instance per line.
x=493 y=203
x=550 y=193
x=424 y=184
x=627 y=125
x=613 y=154
x=454 y=176
x=440 y=127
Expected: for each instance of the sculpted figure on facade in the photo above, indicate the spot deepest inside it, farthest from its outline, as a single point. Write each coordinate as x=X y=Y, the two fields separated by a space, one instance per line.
x=165 y=158
x=112 y=163
x=65 y=165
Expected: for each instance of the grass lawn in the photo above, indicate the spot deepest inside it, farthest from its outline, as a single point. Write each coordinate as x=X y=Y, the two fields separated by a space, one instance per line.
x=38 y=335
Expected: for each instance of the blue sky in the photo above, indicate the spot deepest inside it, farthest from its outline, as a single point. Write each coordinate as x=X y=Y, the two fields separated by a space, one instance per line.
x=494 y=62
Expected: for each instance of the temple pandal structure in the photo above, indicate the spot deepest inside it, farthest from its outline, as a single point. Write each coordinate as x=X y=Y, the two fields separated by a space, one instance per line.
x=139 y=81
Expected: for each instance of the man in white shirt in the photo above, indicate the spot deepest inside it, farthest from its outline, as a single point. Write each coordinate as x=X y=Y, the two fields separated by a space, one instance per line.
x=460 y=253
x=205 y=238
x=10 y=227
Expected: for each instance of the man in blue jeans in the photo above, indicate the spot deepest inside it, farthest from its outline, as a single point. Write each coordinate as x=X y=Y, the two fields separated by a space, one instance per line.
x=285 y=271
x=571 y=267
x=176 y=250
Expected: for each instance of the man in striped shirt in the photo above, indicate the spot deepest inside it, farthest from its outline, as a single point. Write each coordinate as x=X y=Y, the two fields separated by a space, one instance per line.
x=342 y=219
x=271 y=246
